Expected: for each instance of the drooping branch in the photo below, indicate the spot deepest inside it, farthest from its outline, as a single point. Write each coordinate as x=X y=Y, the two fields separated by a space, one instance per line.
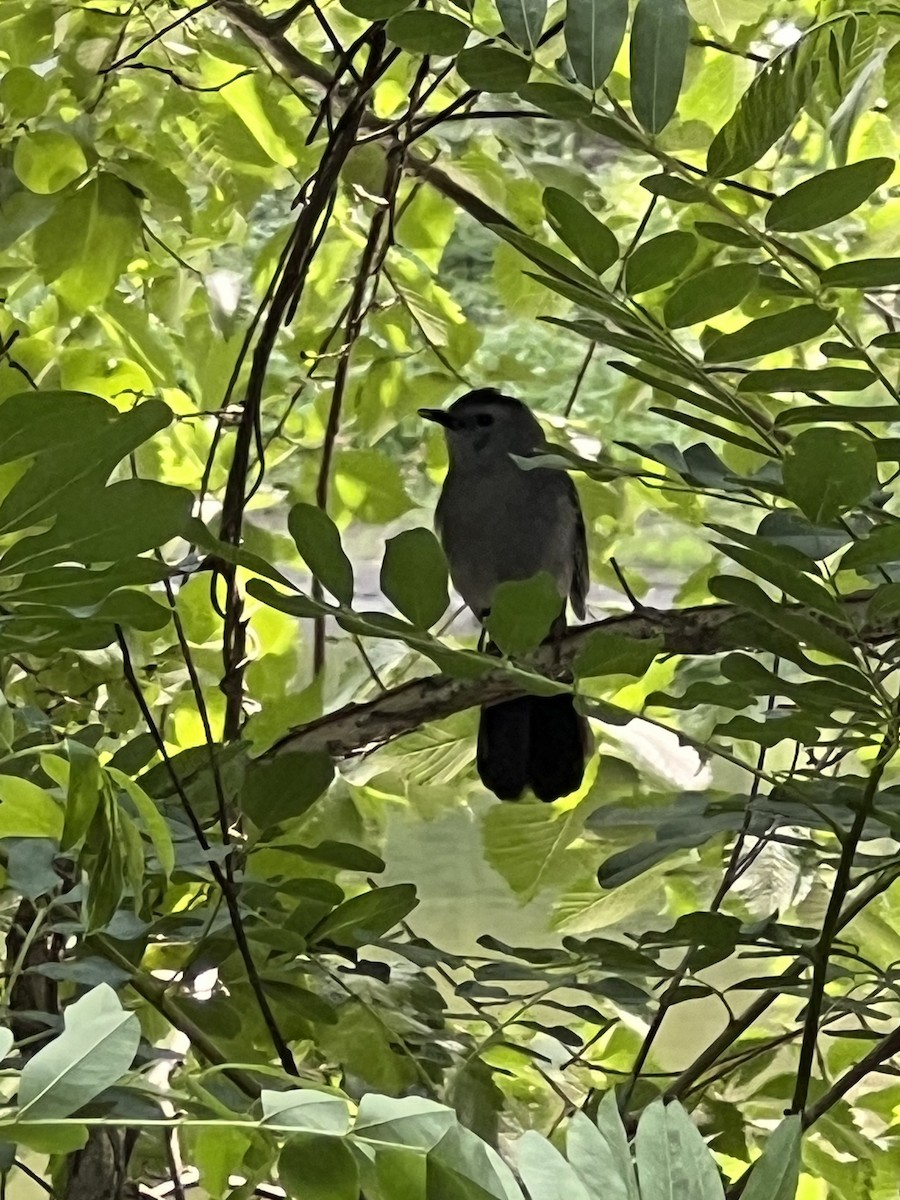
x=705 y=630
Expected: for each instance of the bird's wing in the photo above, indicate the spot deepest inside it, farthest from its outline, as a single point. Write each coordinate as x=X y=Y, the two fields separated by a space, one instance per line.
x=581 y=575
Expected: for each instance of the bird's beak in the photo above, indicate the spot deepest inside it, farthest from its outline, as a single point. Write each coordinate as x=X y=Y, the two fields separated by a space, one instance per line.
x=439 y=415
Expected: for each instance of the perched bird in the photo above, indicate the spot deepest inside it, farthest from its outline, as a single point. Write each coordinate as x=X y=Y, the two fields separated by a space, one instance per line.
x=498 y=522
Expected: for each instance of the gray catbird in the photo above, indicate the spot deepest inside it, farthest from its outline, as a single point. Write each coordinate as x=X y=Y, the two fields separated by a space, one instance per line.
x=498 y=522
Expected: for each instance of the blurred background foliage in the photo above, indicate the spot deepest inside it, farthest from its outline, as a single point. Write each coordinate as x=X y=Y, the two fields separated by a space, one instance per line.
x=156 y=163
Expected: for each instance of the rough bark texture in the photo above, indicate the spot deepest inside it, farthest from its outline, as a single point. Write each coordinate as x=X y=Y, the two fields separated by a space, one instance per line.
x=708 y=629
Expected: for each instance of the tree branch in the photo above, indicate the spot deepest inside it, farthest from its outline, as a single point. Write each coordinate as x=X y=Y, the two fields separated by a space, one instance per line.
x=705 y=630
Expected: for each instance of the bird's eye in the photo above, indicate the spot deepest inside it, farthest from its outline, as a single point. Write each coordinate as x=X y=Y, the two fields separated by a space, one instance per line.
x=484 y=419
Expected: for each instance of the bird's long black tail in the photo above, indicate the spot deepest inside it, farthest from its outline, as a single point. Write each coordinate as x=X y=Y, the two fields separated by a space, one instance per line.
x=539 y=742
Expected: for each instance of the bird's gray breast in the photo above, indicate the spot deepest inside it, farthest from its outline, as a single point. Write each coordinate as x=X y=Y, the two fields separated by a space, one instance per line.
x=504 y=523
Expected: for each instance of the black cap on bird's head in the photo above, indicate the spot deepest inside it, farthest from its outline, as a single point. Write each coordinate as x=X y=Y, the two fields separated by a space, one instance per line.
x=485 y=420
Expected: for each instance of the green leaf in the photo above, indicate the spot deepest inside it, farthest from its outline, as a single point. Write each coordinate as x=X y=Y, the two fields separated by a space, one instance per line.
x=27 y=811
x=768 y=334
x=847 y=414
x=95 y=1049
x=673 y=187
x=319 y=543
x=407 y=1121
x=724 y=235
x=594 y=30
x=279 y=789
x=318 y=1167
x=522 y=611
x=828 y=471
x=47 y=161
x=659 y=260
x=766 y=110
x=881 y=546
x=307 y=1110
x=659 y=42
x=489 y=68
x=106 y=525
x=600 y=1154
x=828 y=196
x=425 y=32
x=370 y=915
x=672 y=1158
x=863 y=273
x=345 y=855
x=605 y=653
x=799 y=379
x=587 y=238
x=545 y=1172
x=83 y=793
x=375 y=10
x=776 y=1173
x=153 y=820
x=523 y=20
x=709 y=293
x=85 y=245
x=414 y=576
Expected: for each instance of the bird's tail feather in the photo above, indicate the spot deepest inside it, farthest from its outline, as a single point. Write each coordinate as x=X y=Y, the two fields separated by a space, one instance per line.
x=539 y=742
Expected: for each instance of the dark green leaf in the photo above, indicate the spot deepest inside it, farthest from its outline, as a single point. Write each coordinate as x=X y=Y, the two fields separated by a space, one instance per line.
x=316 y=537
x=426 y=32
x=594 y=30
x=709 y=293
x=766 y=110
x=791 y=581
x=83 y=793
x=828 y=196
x=318 y=1167
x=803 y=628
x=555 y=99
x=587 y=238
x=375 y=10
x=724 y=235
x=828 y=471
x=822 y=414
x=549 y=260
x=414 y=576
x=768 y=334
x=522 y=612
x=279 y=789
x=799 y=379
x=339 y=854
x=489 y=68
x=369 y=915
x=659 y=260
x=659 y=42
x=606 y=653
x=842 y=350
x=673 y=187
x=791 y=531
x=863 y=273
x=523 y=20
x=882 y=546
